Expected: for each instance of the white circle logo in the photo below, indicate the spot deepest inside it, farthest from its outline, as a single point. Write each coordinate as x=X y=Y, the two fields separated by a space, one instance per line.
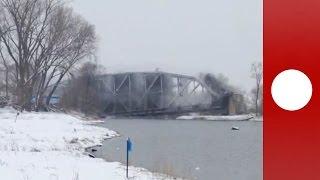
x=291 y=90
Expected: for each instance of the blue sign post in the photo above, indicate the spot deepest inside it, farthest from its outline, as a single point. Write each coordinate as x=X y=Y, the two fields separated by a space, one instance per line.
x=129 y=148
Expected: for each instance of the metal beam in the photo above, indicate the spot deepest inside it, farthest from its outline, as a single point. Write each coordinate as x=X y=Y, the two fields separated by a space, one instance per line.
x=150 y=86
x=178 y=94
x=121 y=84
x=195 y=88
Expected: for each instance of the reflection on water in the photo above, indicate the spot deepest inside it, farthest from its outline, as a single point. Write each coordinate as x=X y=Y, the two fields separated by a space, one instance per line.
x=193 y=149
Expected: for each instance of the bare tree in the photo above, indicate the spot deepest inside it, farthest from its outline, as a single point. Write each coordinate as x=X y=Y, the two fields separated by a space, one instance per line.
x=83 y=92
x=44 y=39
x=5 y=69
x=256 y=74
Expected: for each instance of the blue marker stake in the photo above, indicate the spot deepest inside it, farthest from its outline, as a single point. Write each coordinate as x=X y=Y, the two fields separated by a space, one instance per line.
x=129 y=148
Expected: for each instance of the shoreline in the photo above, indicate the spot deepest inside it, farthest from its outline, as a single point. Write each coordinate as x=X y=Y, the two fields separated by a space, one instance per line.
x=46 y=145
x=157 y=175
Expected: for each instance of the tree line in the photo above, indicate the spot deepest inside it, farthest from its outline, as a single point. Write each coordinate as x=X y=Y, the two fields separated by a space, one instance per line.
x=41 y=41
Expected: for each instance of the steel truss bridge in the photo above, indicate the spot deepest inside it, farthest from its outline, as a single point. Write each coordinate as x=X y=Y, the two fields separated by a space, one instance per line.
x=157 y=93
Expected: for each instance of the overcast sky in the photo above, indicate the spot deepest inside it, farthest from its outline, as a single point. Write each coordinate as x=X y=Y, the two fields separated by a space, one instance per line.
x=180 y=36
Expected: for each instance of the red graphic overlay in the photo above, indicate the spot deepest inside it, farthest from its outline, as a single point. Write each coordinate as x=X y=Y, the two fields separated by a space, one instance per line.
x=291 y=41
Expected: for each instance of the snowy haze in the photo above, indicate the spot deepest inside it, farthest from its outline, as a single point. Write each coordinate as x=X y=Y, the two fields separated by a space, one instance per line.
x=180 y=36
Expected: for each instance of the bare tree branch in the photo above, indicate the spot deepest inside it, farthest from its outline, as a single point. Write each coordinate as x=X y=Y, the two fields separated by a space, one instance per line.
x=44 y=39
x=256 y=74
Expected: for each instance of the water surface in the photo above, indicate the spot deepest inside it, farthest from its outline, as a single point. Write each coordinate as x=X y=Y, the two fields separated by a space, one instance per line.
x=204 y=150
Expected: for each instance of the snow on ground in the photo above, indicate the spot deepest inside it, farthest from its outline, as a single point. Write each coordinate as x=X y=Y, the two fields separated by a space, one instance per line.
x=51 y=146
x=217 y=118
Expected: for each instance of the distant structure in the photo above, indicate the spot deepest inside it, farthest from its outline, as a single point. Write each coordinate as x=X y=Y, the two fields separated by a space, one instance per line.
x=162 y=93
x=236 y=104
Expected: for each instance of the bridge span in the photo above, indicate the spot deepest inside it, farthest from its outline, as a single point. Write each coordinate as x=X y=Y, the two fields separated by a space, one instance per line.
x=160 y=93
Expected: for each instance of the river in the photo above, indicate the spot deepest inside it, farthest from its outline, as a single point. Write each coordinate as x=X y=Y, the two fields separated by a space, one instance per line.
x=192 y=149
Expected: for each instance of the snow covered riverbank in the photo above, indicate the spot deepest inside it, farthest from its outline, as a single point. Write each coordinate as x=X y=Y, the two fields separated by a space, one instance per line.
x=245 y=117
x=51 y=146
